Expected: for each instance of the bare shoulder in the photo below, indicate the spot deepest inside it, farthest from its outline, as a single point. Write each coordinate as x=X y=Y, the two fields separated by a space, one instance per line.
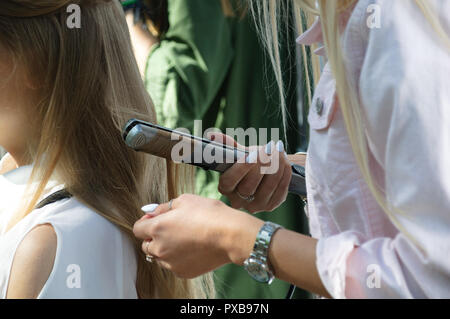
x=33 y=263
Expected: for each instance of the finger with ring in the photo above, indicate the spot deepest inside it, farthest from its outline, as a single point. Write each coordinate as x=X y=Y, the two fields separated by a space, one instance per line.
x=148 y=257
x=249 y=199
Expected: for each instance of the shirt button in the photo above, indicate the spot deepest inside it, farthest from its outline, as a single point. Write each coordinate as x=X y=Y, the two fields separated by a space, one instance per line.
x=319 y=106
x=305 y=207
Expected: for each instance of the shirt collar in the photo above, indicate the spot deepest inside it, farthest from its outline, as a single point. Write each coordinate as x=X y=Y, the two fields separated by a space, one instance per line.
x=314 y=35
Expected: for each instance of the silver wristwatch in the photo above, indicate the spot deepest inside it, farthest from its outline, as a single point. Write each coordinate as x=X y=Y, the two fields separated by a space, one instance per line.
x=257 y=264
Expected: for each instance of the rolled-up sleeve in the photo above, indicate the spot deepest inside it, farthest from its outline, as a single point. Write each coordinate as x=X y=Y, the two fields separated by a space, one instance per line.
x=405 y=97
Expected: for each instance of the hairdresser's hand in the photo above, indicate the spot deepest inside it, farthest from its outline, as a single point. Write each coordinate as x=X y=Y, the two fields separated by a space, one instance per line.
x=197 y=235
x=260 y=184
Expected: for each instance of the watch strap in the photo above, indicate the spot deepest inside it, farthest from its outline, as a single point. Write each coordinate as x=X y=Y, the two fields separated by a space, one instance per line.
x=263 y=239
x=261 y=248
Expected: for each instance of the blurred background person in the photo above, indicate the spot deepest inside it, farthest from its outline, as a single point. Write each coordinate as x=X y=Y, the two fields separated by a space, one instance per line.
x=202 y=60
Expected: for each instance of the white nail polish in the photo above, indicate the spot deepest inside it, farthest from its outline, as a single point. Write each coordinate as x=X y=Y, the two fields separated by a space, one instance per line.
x=280 y=146
x=252 y=158
x=268 y=149
x=150 y=208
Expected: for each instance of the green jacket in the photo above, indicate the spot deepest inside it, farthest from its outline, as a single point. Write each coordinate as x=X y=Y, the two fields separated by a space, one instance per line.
x=212 y=68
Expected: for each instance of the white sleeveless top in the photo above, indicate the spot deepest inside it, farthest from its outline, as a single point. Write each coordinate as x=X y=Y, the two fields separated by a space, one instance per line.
x=94 y=258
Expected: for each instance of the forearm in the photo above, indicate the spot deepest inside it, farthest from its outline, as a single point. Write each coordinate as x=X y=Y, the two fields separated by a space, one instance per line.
x=298 y=159
x=293 y=259
x=292 y=256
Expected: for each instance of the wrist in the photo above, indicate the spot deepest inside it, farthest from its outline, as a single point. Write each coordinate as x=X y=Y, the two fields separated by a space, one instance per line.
x=240 y=236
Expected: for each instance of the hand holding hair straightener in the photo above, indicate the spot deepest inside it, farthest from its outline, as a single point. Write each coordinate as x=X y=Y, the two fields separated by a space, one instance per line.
x=163 y=142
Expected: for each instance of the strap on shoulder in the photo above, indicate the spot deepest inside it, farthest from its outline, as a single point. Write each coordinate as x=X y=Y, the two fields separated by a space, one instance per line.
x=53 y=198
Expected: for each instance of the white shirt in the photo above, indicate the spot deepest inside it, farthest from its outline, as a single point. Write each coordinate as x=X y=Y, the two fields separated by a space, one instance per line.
x=94 y=258
x=401 y=72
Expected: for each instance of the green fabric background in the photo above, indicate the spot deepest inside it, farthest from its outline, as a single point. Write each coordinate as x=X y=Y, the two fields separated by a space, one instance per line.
x=213 y=68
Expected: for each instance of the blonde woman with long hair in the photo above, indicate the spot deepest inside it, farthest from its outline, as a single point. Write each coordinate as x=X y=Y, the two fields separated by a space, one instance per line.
x=65 y=95
x=377 y=167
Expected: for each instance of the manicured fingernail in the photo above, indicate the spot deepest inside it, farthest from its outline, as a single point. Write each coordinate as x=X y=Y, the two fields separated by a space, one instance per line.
x=150 y=208
x=280 y=146
x=252 y=158
x=269 y=148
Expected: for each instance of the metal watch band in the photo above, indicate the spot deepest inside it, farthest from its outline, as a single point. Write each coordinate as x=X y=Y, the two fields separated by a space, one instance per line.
x=262 y=243
x=264 y=238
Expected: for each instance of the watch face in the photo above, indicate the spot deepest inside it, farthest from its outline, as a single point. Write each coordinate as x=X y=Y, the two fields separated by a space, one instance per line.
x=258 y=271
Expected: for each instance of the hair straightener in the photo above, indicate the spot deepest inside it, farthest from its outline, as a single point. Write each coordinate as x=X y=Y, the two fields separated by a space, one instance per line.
x=161 y=141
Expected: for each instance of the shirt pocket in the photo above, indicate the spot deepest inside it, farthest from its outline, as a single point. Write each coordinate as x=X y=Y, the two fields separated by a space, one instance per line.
x=324 y=102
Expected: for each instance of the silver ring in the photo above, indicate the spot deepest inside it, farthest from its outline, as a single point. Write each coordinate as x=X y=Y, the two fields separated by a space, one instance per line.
x=170 y=204
x=149 y=258
x=249 y=199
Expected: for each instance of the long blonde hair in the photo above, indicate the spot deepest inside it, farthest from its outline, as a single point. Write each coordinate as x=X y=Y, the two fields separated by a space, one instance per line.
x=267 y=14
x=89 y=86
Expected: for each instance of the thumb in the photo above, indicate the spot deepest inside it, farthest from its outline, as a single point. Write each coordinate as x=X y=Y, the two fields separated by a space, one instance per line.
x=142 y=227
x=154 y=210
